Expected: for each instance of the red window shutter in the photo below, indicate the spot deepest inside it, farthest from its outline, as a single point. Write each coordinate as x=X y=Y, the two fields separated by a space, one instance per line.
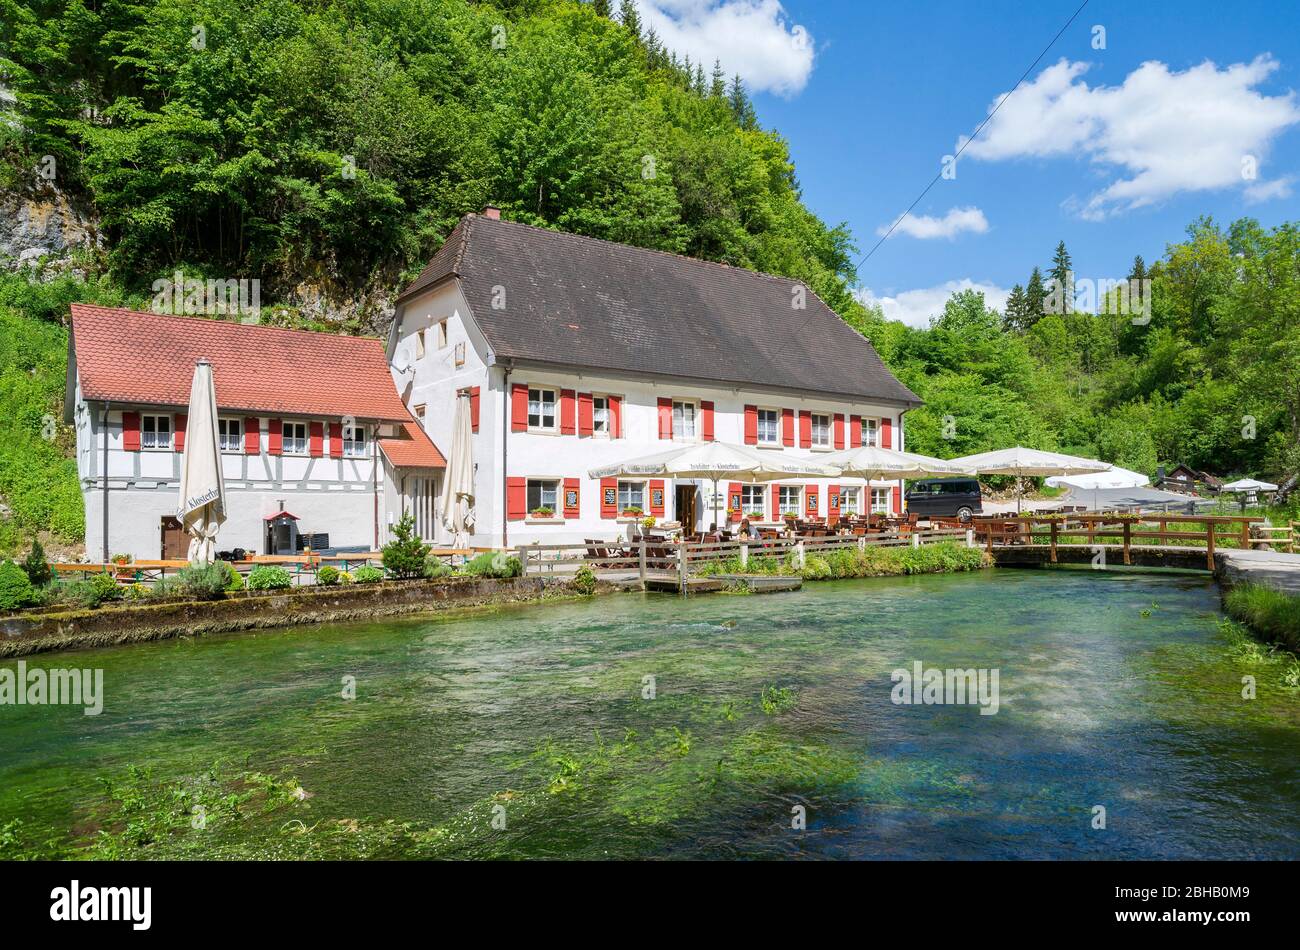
x=706 y=410
x=572 y=487
x=776 y=502
x=131 y=431
x=665 y=418
x=733 y=500
x=585 y=415
x=886 y=434
x=833 y=503
x=898 y=500
x=568 y=412
x=657 y=491
x=316 y=439
x=336 y=439
x=474 y=393
x=178 y=440
x=609 y=497
x=787 y=427
x=516 y=499
x=751 y=425
x=839 y=430
x=805 y=429
x=810 y=502
x=519 y=407
x=855 y=432
x=274 y=437
x=615 y=417
x=252 y=435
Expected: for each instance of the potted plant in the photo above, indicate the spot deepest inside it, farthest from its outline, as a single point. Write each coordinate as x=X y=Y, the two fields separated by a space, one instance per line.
x=543 y=511
x=632 y=511
x=648 y=522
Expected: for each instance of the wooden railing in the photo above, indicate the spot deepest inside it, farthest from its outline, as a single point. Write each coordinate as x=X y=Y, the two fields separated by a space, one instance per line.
x=667 y=560
x=1208 y=532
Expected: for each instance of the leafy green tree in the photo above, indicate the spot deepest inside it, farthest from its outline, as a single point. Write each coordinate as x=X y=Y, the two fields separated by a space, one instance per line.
x=404 y=555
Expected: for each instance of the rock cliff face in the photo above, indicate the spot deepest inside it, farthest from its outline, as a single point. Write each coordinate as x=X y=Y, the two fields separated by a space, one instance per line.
x=43 y=223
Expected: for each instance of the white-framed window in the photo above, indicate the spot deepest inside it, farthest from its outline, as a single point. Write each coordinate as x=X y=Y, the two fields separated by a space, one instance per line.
x=788 y=501
x=849 y=498
x=294 y=438
x=769 y=427
x=230 y=434
x=880 y=501
x=870 y=432
x=684 y=415
x=156 y=432
x=418 y=410
x=821 y=430
x=541 y=409
x=600 y=416
x=631 y=495
x=356 y=441
x=442 y=334
x=419 y=344
x=543 y=493
x=458 y=353
x=752 y=500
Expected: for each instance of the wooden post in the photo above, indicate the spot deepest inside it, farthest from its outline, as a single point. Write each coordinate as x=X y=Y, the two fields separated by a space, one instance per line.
x=862 y=543
x=681 y=566
x=1164 y=529
x=1128 y=535
x=641 y=558
x=1054 y=526
x=916 y=539
x=744 y=555
x=1209 y=545
x=1245 y=535
x=522 y=554
x=798 y=553
x=970 y=537
x=988 y=531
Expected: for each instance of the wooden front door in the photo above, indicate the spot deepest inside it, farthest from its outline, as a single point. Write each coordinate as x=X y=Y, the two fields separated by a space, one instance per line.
x=684 y=506
x=175 y=542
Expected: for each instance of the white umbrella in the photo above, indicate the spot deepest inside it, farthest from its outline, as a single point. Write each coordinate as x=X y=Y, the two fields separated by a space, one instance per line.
x=871 y=462
x=1248 y=485
x=1116 y=477
x=1022 y=462
x=202 y=509
x=715 y=460
x=458 y=479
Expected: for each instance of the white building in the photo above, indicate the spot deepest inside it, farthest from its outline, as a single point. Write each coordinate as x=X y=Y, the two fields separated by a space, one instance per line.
x=312 y=433
x=579 y=352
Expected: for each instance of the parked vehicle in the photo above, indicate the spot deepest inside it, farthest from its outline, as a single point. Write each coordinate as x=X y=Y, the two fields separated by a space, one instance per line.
x=945 y=498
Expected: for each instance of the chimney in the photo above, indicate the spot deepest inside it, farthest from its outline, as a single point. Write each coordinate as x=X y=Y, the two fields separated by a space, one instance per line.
x=491 y=213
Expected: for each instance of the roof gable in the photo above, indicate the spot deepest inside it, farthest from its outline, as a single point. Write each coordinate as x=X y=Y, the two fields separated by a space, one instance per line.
x=130 y=356
x=554 y=297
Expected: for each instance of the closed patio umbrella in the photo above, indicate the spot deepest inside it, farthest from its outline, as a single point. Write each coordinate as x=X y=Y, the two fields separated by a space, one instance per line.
x=1021 y=462
x=202 y=508
x=715 y=460
x=458 y=480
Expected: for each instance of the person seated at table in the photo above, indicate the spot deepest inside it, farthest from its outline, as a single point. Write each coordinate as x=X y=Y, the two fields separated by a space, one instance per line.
x=747 y=531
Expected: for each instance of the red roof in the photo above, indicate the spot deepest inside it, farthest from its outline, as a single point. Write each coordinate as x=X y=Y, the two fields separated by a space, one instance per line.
x=129 y=356
x=281 y=514
x=415 y=451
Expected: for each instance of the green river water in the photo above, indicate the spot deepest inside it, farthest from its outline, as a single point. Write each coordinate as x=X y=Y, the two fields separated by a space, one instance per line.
x=529 y=732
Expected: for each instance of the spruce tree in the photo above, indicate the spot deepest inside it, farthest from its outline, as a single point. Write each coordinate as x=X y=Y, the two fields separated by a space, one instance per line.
x=628 y=16
x=1139 y=269
x=718 y=87
x=1016 y=312
x=1035 y=296
x=741 y=108
x=602 y=8
x=1062 y=273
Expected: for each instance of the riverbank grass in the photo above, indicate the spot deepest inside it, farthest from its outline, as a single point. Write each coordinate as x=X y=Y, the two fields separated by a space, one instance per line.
x=1272 y=614
x=943 y=558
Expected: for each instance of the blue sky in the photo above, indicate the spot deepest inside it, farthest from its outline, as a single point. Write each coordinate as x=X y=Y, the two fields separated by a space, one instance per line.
x=1113 y=156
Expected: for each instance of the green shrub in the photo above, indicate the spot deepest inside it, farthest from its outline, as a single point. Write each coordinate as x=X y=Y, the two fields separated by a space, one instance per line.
x=367 y=575
x=36 y=567
x=435 y=567
x=404 y=555
x=817 y=568
x=345 y=578
x=105 y=587
x=269 y=577
x=327 y=576
x=490 y=564
x=15 y=588
x=208 y=582
x=584 y=582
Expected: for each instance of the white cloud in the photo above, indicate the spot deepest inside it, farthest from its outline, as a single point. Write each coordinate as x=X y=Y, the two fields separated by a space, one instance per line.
x=752 y=38
x=949 y=226
x=1257 y=192
x=1163 y=132
x=916 y=307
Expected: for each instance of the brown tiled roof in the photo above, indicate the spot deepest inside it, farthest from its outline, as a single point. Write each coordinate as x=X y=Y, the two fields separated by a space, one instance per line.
x=129 y=356
x=416 y=450
x=580 y=301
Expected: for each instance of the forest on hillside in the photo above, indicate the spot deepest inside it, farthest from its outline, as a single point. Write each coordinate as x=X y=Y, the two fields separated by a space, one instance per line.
x=326 y=149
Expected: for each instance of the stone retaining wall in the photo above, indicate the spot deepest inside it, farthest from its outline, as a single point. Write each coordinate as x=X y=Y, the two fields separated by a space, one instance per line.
x=108 y=625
